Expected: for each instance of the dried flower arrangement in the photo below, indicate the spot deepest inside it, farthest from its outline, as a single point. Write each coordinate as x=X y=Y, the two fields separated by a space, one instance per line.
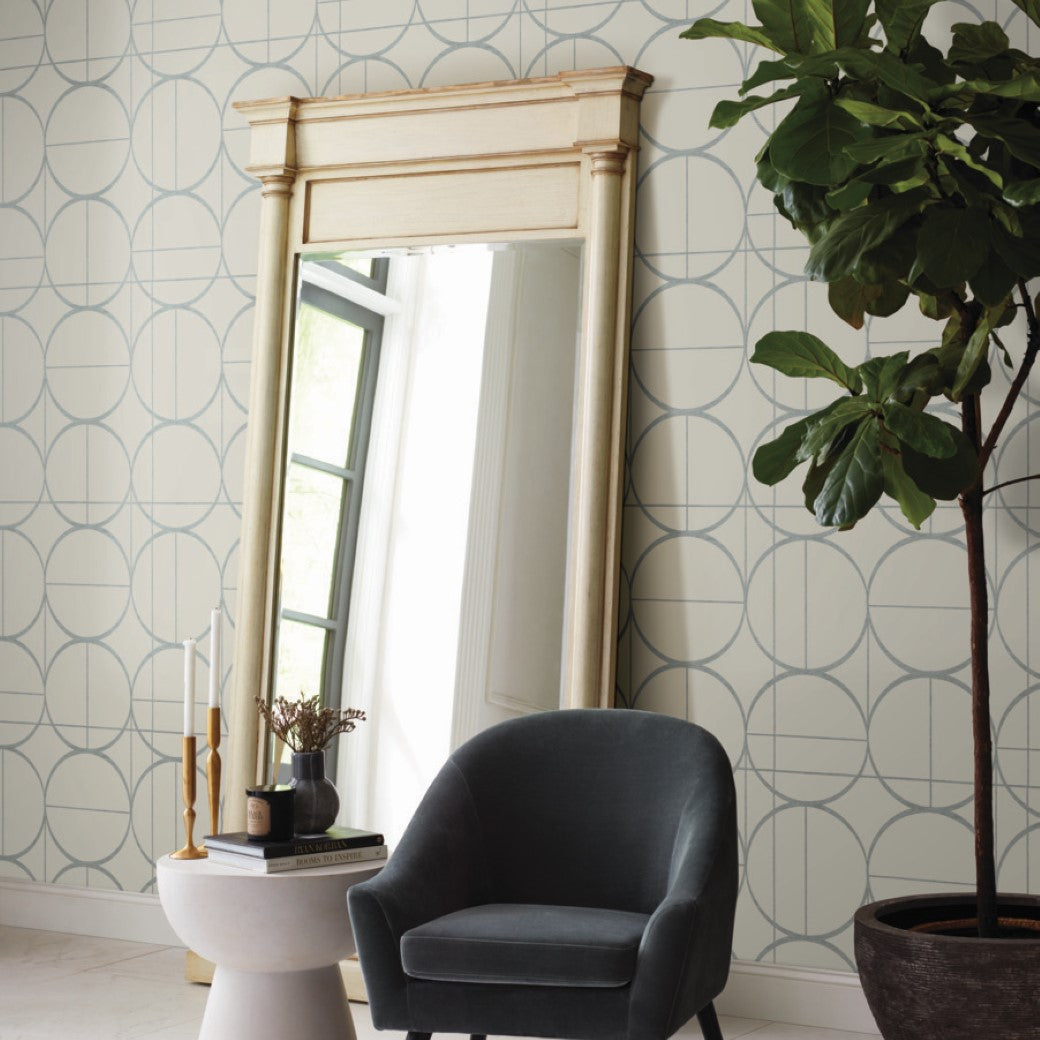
x=304 y=725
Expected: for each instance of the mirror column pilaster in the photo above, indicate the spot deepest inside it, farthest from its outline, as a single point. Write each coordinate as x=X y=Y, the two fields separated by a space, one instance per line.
x=261 y=492
x=594 y=537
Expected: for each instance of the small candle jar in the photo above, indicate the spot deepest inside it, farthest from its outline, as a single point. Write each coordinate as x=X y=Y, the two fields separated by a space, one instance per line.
x=269 y=812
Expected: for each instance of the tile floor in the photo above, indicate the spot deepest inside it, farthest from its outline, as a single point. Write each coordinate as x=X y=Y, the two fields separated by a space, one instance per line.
x=55 y=986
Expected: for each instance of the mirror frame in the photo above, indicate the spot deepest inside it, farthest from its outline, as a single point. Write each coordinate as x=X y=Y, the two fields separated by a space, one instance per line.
x=552 y=158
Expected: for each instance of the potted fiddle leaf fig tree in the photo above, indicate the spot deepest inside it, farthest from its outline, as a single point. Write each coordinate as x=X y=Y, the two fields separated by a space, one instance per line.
x=914 y=174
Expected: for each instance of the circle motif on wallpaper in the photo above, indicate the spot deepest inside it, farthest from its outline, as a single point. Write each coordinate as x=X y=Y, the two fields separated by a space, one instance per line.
x=806 y=870
x=88 y=474
x=21 y=803
x=922 y=580
x=687 y=598
x=462 y=21
x=360 y=30
x=88 y=807
x=156 y=809
x=21 y=144
x=21 y=369
x=237 y=351
x=88 y=252
x=571 y=19
x=157 y=702
x=266 y=32
x=698 y=695
x=1019 y=866
x=20 y=568
x=23 y=476
x=21 y=258
x=807 y=737
x=934 y=848
x=22 y=28
x=671 y=361
x=87 y=341
x=1019 y=586
x=794 y=594
x=87 y=39
x=1015 y=749
x=176 y=134
x=239 y=250
x=483 y=63
x=573 y=52
x=195 y=27
x=1016 y=459
x=678 y=453
x=175 y=582
x=176 y=363
x=697 y=235
x=21 y=694
x=920 y=741
x=166 y=458
x=88 y=695
x=234 y=462
x=361 y=75
x=88 y=139
x=87 y=582
x=176 y=249
x=675 y=117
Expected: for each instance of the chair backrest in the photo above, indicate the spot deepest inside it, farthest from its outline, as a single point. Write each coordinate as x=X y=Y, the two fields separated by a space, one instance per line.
x=581 y=807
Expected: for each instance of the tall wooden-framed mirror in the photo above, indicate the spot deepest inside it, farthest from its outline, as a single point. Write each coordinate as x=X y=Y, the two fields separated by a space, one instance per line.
x=531 y=183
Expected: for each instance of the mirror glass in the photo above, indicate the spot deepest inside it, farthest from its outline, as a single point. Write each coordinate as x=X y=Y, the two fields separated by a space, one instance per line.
x=425 y=501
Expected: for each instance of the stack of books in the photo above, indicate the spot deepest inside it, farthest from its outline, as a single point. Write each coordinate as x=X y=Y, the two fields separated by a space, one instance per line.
x=336 y=845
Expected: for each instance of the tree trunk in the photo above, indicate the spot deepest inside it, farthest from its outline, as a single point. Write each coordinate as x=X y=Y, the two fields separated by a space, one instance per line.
x=971 y=508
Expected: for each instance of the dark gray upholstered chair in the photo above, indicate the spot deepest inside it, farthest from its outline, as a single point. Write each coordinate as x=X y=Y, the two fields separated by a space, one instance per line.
x=571 y=874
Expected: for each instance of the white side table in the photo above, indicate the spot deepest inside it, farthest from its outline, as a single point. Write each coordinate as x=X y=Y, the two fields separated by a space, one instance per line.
x=276 y=941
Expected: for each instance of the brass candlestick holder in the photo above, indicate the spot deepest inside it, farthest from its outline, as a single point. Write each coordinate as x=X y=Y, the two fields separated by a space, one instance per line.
x=213 y=767
x=190 y=850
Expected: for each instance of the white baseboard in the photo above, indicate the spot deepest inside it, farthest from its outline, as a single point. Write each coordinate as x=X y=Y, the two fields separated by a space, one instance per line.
x=85 y=911
x=803 y=996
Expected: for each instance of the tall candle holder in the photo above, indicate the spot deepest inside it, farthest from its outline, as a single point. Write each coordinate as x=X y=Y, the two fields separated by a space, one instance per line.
x=190 y=850
x=213 y=767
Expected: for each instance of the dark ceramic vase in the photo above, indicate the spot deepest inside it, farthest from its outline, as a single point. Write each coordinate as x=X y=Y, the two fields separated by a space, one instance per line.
x=922 y=985
x=316 y=802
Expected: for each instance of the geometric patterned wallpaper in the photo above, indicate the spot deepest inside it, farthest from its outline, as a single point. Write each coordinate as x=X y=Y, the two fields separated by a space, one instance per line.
x=833 y=667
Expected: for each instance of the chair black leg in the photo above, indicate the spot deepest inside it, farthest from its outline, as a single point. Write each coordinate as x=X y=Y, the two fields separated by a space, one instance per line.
x=709 y=1023
x=477 y=1036
x=418 y=1036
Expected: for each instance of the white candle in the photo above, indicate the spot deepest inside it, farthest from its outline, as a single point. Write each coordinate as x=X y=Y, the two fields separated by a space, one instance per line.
x=189 y=687
x=214 y=658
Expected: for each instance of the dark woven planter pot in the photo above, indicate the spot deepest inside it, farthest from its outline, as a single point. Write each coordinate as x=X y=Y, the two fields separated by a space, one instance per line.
x=923 y=986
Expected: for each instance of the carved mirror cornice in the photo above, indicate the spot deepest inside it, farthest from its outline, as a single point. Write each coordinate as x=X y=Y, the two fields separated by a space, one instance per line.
x=541 y=159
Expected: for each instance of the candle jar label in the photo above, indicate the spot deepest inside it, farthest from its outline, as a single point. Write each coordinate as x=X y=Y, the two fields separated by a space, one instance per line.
x=258 y=818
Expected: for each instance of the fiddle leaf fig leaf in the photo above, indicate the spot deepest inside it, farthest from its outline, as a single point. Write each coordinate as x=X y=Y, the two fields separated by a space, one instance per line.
x=855 y=482
x=838 y=252
x=902 y=20
x=943 y=478
x=708 y=28
x=810 y=26
x=775 y=460
x=728 y=113
x=849 y=299
x=823 y=430
x=801 y=354
x=974 y=355
x=975 y=43
x=1019 y=136
x=1023 y=193
x=876 y=115
x=952 y=244
x=767 y=72
x=809 y=144
x=923 y=432
x=914 y=503
x=881 y=375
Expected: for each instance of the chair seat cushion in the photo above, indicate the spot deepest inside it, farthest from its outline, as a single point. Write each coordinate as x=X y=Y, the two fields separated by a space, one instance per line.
x=526 y=944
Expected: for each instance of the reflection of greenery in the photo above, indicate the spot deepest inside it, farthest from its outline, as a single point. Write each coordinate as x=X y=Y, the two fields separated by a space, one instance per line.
x=326 y=369
x=310 y=535
x=304 y=725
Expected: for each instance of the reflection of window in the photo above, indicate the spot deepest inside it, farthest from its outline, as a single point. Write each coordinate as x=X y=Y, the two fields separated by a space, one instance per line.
x=335 y=363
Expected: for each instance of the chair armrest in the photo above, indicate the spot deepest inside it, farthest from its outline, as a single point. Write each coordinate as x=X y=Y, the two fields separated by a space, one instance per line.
x=438 y=867
x=685 y=952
